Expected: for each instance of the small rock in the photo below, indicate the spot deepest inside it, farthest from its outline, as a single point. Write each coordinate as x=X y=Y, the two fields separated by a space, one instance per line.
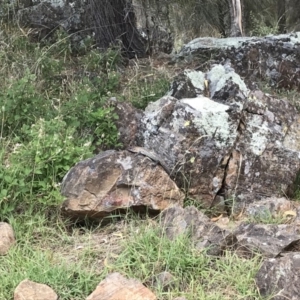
x=7 y=238
x=269 y=207
x=164 y=280
x=117 y=287
x=205 y=234
x=29 y=290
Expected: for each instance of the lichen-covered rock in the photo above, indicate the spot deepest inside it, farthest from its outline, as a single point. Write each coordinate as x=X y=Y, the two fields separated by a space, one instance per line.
x=195 y=136
x=280 y=277
x=275 y=58
x=269 y=240
x=263 y=163
x=45 y=17
x=230 y=144
x=117 y=181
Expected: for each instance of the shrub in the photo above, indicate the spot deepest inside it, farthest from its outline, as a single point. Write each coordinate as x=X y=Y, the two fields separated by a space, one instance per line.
x=32 y=173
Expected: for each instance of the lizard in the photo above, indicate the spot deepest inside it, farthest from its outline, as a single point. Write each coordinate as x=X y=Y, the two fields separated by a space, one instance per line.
x=150 y=154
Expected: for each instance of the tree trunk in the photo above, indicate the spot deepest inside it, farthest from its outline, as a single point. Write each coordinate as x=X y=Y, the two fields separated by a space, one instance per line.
x=235 y=17
x=153 y=19
x=222 y=12
x=281 y=14
x=115 y=25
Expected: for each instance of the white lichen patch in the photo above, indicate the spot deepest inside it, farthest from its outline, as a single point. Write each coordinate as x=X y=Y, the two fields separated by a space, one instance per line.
x=197 y=78
x=211 y=117
x=218 y=77
x=126 y=162
x=55 y=3
x=205 y=104
x=292 y=139
x=260 y=134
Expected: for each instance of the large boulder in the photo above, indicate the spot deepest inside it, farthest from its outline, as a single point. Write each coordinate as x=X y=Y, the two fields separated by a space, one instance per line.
x=274 y=58
x=225 y=146
x=45 y=17
x=225 y=142
x=114 y=181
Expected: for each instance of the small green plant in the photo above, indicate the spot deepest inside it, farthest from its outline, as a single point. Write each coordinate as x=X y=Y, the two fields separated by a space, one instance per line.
x=259 y=28
x=21 y=105
x=106 y=62
x=145 y=91
x=105 y=131
x=31 y=174
x=266 y=217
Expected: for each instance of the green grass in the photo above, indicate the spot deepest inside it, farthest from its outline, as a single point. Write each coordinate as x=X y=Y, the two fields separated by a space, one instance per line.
x=147 y=252
x=74 y=263
x=35 y=257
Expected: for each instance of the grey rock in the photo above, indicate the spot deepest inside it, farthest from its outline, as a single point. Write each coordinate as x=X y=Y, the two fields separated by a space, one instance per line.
x=274 y=58
x=269 y=240
x=205 y=234
x=280 y=277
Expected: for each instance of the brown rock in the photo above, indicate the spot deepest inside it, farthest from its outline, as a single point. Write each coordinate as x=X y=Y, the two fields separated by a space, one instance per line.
x=117 y=180
x=117 y=287
x=164 y=281
x=29 y=290
x=7 y=238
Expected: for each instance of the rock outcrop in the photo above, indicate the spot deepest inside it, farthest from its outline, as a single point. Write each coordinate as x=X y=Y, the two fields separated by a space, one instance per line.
x=225 y=141
x=226 y=146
